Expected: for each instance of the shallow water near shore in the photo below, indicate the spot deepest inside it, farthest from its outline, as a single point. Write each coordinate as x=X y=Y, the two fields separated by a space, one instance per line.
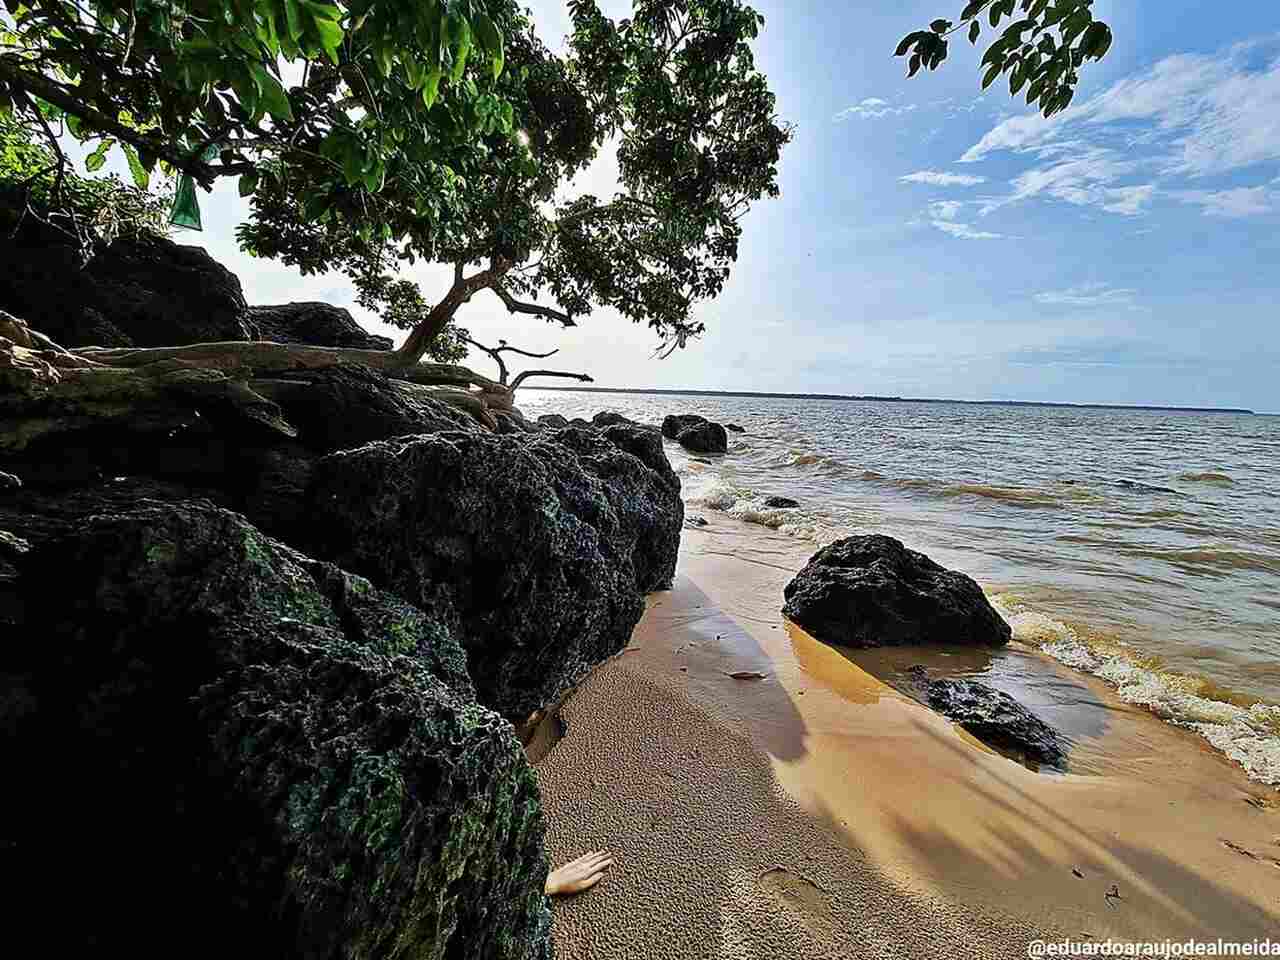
x=1139 y=546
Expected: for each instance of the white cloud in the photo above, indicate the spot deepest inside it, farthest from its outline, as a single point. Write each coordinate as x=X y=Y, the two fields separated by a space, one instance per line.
x=937 y=179
x=1087 y=295
x=963 y=231
x=1209 y=114
x=872 y=108
x=945 y=209
x=1239 y=202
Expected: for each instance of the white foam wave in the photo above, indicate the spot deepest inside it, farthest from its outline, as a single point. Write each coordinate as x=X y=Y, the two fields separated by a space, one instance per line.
x=1248 y=735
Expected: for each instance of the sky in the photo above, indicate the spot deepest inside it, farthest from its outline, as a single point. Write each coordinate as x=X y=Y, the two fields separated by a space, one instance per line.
x=931 y=241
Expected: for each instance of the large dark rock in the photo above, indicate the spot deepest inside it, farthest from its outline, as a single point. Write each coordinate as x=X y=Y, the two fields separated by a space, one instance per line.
x=553 y=420
x=345 y=406
x=997 y=719
x=539 y=546
x=144 y=293
x=674 y=423
x=608 y=418
x=872 y=591
x=316 y=324
x=695 y=433
x=645 y=497
x=704 y=438
x=216 y=734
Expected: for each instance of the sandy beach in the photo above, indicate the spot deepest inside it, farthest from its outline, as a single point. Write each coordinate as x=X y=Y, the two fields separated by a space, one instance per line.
x=817 y=811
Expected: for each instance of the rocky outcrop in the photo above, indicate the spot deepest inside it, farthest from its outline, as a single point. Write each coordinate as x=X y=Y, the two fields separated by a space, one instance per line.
x=781 y=503
x=553 y=420
x=871 y=591
x=696 y=433
x=317 y=324
x=607 y=418
x=539 y=548
x=995 y=718
x=224 y=736
x=144 y=293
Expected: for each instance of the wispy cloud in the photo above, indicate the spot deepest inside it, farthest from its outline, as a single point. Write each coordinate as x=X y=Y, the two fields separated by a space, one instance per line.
x=1187 y=118
x=872 y=108
x=1238 y=202
x=937 y=179
x=964 y=231
x=1088 y=295
x=945 y=209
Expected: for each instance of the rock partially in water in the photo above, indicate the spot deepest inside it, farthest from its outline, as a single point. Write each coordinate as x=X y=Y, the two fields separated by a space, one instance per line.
x=781 y=503
x=226 y=737
x=734 y=428
x=540 y=547
x=8 y=482
x=704 y=438
x=996 y=719
x=871 y=591
x=316 y=324
x=1139 y=487
x=553 y=420
x=696 y=521
x=696 y=433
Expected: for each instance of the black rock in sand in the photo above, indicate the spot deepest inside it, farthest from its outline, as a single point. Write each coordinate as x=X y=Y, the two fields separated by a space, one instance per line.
x=996 y=718
x=871 y=591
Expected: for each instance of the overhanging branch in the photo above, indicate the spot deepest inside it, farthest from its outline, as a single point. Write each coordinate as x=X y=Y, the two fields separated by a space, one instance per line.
x=532 y=309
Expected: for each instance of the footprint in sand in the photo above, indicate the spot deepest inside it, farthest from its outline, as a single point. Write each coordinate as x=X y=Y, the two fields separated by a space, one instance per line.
x=804 y=897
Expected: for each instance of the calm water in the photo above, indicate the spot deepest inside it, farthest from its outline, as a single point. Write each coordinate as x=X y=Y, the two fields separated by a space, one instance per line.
x=1140 y=546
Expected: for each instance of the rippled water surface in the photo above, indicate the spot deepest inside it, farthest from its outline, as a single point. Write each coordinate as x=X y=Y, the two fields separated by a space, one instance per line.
x=1140 y=545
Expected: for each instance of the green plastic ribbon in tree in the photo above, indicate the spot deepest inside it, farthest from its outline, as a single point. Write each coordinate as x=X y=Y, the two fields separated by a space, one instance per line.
x=186 y=207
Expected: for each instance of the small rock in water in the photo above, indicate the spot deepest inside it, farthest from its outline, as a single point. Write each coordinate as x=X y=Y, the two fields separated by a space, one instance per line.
x=734 y=428
x=1143 y=487
x=9 y=483
x=871 y=591
x=696 y=521
x=781 y=503
x=996 y=718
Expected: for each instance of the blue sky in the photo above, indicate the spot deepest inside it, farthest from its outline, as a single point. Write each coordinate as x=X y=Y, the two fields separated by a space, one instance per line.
x=931 y=241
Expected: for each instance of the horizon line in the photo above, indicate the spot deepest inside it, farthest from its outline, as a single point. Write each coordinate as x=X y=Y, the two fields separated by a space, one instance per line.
x=872 y=398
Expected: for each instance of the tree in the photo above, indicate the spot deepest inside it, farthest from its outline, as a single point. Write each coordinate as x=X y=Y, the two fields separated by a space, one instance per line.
x=1041 y=50
x=674 y=88
x=396 y=146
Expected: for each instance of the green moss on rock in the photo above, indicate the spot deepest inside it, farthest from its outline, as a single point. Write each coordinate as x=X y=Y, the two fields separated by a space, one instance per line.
x=233 y=743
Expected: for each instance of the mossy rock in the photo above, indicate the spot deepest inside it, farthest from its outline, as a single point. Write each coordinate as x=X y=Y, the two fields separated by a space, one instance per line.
x=224 y=748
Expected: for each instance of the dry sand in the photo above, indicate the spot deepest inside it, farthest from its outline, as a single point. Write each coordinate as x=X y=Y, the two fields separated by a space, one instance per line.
x=818 y=813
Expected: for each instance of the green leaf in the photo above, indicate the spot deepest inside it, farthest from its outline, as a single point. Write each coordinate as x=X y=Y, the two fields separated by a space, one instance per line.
x=94 y=161
x=330 y=34
x=272 y=95
x=141 y=179
x=915 y=65
x=293 y=17
x=431 y=88
x=1096 y=41
x=490 y=38
x=974 y=29
x=460 y=40
x=940 y=26
x=990 y=78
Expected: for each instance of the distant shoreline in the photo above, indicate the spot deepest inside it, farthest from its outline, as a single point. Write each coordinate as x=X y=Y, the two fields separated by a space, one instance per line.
x=873 y=399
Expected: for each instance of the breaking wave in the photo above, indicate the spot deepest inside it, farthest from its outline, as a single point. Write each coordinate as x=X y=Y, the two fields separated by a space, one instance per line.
x=1247 y=732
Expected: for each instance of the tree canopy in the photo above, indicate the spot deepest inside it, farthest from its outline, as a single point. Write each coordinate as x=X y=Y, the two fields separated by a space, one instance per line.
x=1041 y=49
x=373 y=134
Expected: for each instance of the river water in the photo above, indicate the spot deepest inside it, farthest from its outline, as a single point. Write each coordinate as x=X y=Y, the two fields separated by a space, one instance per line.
x=1141 y=546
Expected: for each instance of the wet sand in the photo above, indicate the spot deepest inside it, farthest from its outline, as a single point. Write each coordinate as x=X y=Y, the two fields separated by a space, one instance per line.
x=818 y=812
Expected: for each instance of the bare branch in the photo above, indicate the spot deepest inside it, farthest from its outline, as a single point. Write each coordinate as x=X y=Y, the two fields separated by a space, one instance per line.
x=522 y=377
x=532 y=309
